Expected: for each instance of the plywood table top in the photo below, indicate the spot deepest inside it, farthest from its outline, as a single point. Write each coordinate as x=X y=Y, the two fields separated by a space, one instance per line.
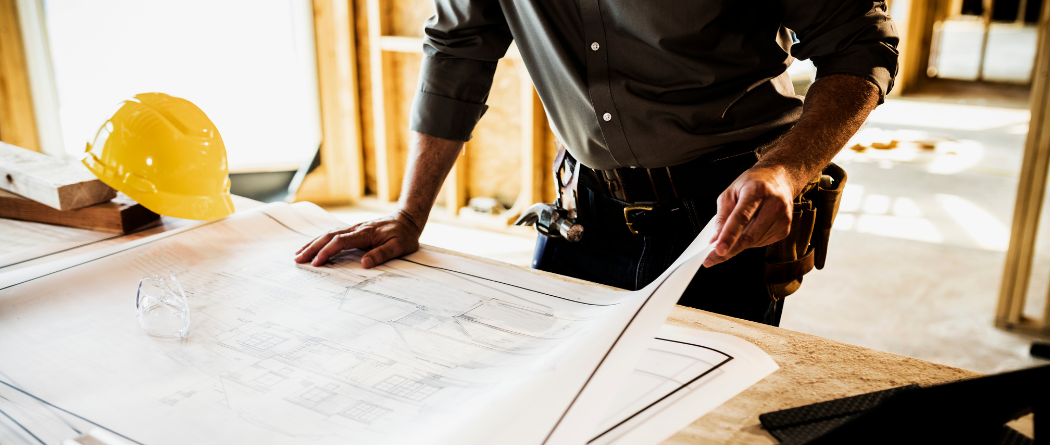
x=812 y=369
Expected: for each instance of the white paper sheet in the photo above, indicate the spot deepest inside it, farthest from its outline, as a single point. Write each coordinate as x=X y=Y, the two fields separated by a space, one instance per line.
x=21 y=240
x=684 y=374
x=427 y=349
x=24 y=243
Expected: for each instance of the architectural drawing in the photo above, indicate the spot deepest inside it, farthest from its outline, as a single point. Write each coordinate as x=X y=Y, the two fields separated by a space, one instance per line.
x=396 y=344
x=287 y=353
x=22 y=241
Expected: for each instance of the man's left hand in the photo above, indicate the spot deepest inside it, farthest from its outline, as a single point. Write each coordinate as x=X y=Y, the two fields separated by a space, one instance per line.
x=754 y=211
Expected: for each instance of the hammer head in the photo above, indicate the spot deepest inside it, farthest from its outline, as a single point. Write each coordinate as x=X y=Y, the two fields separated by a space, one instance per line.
x=535 y=214
x=551 y=221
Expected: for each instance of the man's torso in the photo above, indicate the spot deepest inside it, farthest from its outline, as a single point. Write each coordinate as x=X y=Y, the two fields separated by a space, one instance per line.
x=655 y=83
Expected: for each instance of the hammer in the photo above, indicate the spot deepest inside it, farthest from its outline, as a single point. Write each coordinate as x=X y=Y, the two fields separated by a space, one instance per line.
x=551 y=221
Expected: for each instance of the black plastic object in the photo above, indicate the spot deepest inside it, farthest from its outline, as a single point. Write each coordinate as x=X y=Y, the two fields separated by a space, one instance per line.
x=971 y=411
x=1041 y=350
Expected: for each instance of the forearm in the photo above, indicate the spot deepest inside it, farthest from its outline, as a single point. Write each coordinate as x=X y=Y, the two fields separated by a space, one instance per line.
x=430 y=158
x=835 y=108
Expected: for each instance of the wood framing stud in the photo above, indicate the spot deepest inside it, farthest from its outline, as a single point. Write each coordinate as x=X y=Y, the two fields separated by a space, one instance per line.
x=341 y=151
x=533 y=126
x=17 y=119
x=1031 y=190
x=389 y=170
x=456 y=184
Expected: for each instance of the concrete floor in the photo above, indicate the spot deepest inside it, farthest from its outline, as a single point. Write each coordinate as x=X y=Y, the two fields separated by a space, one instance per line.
x=917 y=255
x=916 y=261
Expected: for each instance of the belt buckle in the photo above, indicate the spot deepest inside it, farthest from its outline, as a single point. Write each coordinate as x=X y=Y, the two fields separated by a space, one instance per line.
x=627 y=216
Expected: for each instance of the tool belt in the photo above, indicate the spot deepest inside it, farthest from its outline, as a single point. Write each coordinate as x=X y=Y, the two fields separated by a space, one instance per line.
x=652 y=200
x=806 y=246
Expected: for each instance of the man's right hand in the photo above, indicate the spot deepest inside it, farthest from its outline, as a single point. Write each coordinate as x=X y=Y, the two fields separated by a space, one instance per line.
x=384 y=238
x=429 y=160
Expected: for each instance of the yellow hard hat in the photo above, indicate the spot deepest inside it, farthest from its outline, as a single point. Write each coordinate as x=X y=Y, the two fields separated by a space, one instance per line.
x=165 y=153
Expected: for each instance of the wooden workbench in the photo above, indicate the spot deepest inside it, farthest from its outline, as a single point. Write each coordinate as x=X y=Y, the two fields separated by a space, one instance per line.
x=812 y=369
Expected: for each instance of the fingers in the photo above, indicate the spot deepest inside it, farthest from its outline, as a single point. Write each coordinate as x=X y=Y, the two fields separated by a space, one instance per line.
x=725 y=208
x=745 y=207
x=753 y=223
x=381 y=254
x=339 y=243
x=307 y=252
x=771 y=224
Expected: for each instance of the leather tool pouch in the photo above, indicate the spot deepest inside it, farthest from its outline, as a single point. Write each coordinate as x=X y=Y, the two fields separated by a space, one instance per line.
x=806 y=246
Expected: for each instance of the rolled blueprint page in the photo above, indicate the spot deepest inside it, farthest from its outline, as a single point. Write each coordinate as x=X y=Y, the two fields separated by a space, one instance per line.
x=430 y=348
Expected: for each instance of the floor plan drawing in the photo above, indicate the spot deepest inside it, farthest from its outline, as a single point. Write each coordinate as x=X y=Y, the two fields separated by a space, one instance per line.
x=287 y=353
x=682 y=375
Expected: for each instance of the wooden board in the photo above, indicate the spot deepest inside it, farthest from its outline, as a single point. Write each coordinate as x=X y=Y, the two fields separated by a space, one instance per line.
x=340 y=105
x=1028 y=207
x=17 y=119
x=58 y=184
x=120 y=215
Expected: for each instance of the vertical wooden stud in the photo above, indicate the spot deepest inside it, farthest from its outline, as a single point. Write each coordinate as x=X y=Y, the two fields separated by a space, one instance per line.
x=1031 y=190
x=456 y=184
x=341 y=151
x=533 y=124
x=384 y=117
x=916 y=40
x=17 y=118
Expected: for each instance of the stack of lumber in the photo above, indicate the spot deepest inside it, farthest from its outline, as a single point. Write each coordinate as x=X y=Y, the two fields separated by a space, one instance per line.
x=37 y=187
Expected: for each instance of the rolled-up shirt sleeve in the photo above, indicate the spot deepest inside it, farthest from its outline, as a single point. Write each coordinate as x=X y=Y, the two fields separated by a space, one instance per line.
x=845 y=37
x=463 y=41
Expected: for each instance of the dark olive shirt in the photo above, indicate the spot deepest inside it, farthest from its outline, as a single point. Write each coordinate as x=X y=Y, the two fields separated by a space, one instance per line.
x=647 y=83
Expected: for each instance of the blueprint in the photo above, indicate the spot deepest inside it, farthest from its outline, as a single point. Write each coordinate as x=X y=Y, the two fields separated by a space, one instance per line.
x=20 y=240
x=431 y=348
x=24 y=243
x=683 y=374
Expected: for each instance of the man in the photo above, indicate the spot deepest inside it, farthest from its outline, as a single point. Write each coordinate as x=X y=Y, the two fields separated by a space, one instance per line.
x=666 y=104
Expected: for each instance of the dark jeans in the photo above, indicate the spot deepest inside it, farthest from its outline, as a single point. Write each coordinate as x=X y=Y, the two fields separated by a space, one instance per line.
x=612 y=255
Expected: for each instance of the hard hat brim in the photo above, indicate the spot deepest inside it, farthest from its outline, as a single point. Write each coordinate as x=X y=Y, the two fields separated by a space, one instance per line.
x=194 y=207
x=203 y=208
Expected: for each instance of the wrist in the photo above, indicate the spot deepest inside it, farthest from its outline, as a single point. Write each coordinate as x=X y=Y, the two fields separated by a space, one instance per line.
x=411 y=219
x=781 y=176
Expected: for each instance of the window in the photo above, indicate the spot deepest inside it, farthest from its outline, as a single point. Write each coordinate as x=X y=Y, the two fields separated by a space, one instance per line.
x=250 y=66
x=402 y=387
x=262 y=341
x=269 y=379
x=365 y=412
x=315 y=396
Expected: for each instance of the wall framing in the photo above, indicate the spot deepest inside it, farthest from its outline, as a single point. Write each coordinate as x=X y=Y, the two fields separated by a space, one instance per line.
x=1031 y=192
x=18 y=124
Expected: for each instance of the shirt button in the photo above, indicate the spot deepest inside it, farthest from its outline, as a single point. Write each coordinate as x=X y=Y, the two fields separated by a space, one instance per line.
x=607 y=117
x=595 y=46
